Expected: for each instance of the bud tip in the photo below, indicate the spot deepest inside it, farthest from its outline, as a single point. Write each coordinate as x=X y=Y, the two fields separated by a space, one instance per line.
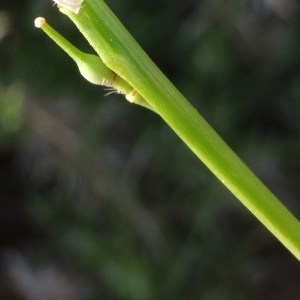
x=39 y=22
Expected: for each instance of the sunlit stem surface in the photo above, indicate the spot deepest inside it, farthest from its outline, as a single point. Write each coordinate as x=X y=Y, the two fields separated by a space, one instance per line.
x=120 y=53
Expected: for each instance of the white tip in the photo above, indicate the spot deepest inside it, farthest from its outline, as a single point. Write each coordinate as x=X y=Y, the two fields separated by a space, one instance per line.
x=131 y=96
x=39 y=22
x=72 y=5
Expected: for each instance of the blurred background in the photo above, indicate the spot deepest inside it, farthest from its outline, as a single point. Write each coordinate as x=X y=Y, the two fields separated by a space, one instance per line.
x=99 y=199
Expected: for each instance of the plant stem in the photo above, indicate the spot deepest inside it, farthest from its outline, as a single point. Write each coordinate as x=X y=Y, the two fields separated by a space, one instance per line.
x=91 y=67
x=120 y=53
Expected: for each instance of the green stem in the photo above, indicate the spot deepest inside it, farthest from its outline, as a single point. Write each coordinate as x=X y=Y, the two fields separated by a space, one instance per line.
x=92 y=67
x=120 y=53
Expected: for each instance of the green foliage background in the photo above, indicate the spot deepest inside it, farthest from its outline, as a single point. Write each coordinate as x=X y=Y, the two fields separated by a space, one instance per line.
x=100 y=200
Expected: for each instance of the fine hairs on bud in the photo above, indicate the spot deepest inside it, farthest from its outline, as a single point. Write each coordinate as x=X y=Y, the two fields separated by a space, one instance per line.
x=73 y=5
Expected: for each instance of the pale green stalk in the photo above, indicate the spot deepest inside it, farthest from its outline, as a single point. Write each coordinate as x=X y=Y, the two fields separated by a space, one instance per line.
x=91 y=67
x=120 y=53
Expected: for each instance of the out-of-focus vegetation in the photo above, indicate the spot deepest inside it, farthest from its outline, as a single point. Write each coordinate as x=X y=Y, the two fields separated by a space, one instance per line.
x=100 y=200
